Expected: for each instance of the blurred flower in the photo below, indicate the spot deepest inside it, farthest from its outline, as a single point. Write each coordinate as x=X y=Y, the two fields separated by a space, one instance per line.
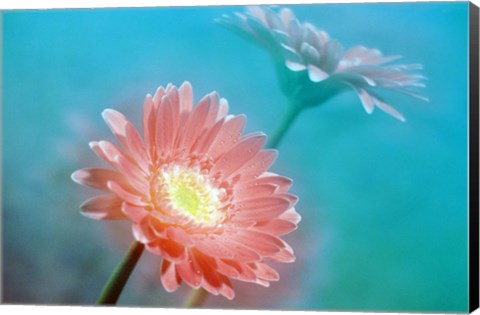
x=312 y=67
x=197 y=192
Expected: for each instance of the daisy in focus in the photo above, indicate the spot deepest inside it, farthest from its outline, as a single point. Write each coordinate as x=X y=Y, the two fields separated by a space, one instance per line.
x=312 y=67
x=196 y=190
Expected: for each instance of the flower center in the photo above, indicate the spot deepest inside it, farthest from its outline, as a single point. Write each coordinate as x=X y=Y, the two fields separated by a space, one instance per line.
x=190 y=194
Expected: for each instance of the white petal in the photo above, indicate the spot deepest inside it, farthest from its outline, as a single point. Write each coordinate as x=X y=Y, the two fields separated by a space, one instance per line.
x=295 y=66
x=316 y=74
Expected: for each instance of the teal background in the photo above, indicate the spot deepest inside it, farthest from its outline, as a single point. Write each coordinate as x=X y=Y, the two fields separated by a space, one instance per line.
x=384 y=203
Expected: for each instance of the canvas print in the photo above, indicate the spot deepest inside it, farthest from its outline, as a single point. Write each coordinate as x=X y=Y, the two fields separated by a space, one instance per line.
x=294 y=157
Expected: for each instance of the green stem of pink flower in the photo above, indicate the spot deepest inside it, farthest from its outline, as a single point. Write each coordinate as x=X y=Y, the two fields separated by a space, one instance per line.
x=119 y=277
x=196 y=298
x=287 y=121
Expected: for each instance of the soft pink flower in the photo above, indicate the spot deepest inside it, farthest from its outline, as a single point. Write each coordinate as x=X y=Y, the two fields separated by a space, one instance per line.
x=312 y=67
x=196 y=191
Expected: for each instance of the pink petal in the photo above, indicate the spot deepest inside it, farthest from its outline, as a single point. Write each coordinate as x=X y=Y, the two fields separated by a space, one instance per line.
x=132 y=198
x=260 y=209
x=117 y=122
x=284 y=256
x=157 y=226
x=169 y=277
x=239 y=155
x=265 y=272
x=133 y=174
x=127 y=135
x=227 y=136
x=194 y=125
x=179 y=235
x=96 y=177
x=254 y=192
x=107 y=151
x=211 y=280
x=226 y=269
x=226 y=289
x=245 y=273
x=186 y=97
x=257 y=165
x=103 y=207
x=290 y=215
x=136 y=214
x=149 y=124
x=165 y=127
x=174 y=97
x=275 y=227
x=282 y=183
x=168 y=249
x=214 y=101
x=143 y=232
x=292 y=199
x=136 y=147
x=204 y=142
x=190 y=272
x=157 y=97
x=223 y=109
x=223 y=247
x=263 y=244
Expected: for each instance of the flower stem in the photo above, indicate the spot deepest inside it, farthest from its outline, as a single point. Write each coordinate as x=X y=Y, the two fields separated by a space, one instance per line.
x=196 y=298
x=292 y=113
x=119 y=277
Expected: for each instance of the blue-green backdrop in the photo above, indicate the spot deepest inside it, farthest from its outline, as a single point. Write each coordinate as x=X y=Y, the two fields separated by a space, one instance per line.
x=384 y=203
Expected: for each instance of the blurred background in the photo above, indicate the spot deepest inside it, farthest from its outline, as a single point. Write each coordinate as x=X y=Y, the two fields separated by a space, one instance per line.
x=384 y=203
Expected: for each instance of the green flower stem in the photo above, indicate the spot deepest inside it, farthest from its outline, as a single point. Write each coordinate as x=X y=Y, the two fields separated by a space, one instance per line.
x=115 y=284
x=292 y=113
x=196 y=298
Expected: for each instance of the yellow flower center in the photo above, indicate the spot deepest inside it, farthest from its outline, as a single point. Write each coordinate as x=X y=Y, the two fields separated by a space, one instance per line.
x=189 y=193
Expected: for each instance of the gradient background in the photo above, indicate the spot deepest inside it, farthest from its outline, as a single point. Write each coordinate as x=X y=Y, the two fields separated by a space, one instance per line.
x=384 y=203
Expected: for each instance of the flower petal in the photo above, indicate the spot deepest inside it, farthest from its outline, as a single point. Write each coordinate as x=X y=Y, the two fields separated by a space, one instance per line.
x=367 y=101
x=265 y=272
x=170 y=280
x=211 y=280
x=290 y=215
x=179 y=235
x=260 y=209
x=165 y=127
x=389 y=110
x=227 y=136
x=240 y=154
x=185 y=97
x=132 y=198
x=316 y=74
x=190 y=272
x=143 y=232
x=96 y=177
x=117 y=122
x=263 y=244
x=194 y=125
x=103 y=207
x=136 y=214
x=262 y=161
x=168 y=249
x=223 y=247
x=275 y=227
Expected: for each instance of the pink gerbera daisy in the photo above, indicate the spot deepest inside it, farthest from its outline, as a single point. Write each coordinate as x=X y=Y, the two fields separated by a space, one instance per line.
x=197 y=192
